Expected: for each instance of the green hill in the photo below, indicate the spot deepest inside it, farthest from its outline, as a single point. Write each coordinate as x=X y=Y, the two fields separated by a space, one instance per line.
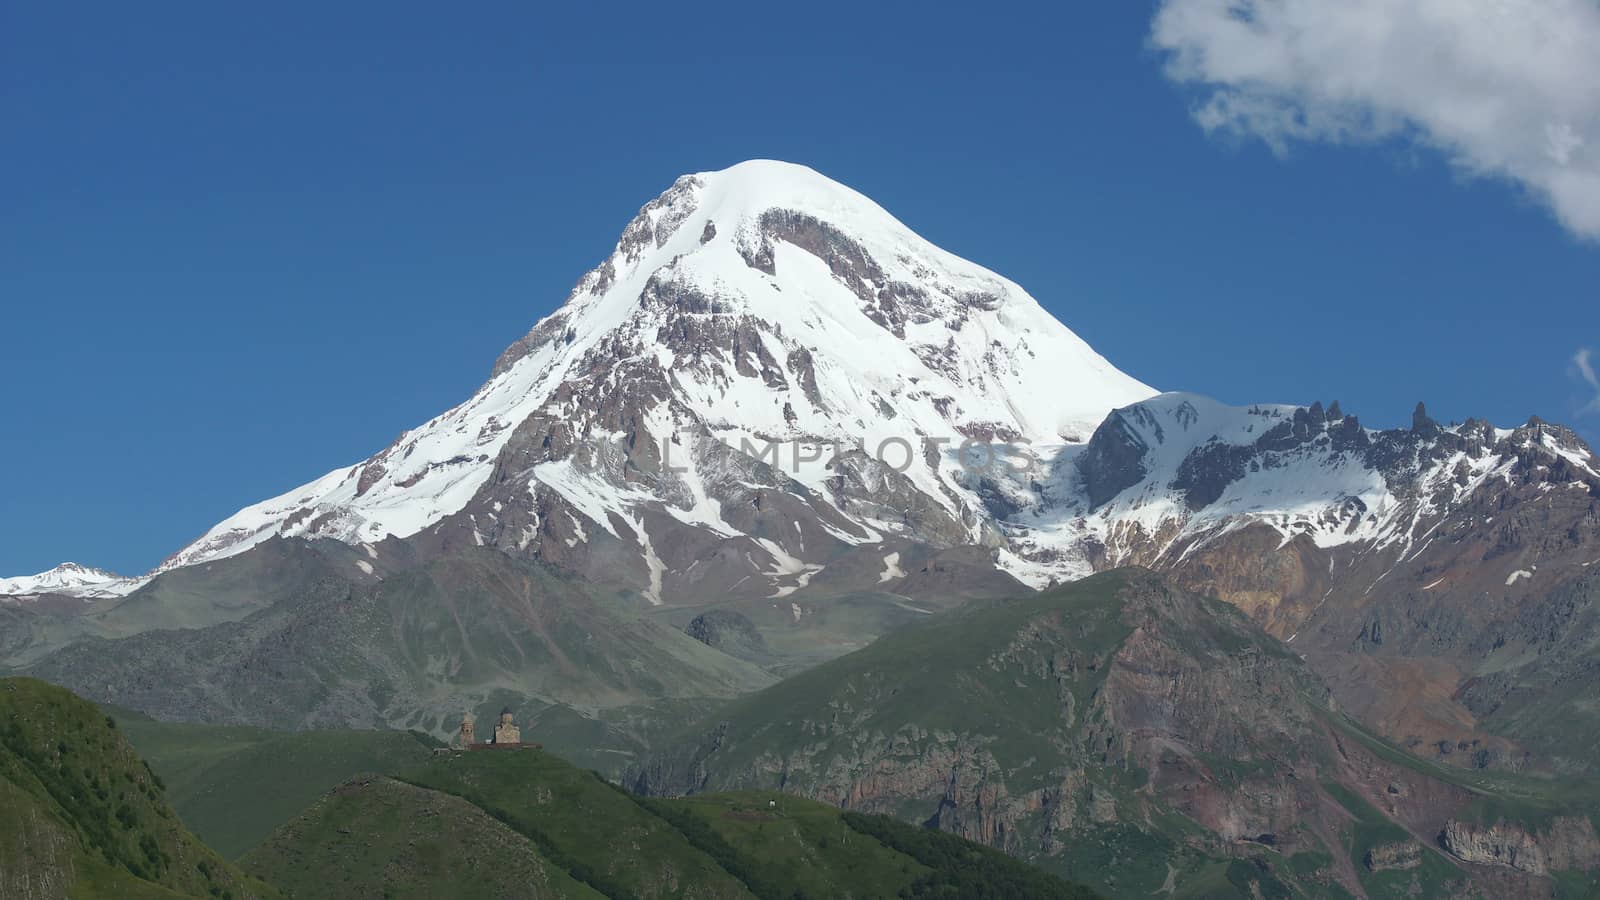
x=377 y=837
x=347 y=833
x=783 y=846
x=593 y=830
x=526 y=823
x=84 y=817
x=233 y=785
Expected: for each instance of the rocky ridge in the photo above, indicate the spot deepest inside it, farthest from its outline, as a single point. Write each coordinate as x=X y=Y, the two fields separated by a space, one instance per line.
x=1115 y=712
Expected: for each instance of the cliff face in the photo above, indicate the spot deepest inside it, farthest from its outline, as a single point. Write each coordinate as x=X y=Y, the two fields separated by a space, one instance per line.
x=1566 y=844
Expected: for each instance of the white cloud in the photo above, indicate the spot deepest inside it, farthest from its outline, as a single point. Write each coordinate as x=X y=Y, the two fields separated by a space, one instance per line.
x=1584 y=363
x=1503 y=88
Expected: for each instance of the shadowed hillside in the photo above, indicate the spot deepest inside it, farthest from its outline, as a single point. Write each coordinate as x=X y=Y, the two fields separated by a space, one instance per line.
x=82 y=816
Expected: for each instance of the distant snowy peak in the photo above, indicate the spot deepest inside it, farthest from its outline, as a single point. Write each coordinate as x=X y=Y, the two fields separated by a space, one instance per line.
x=1163 y=477
x=1200 y=450
x=70 y=579
x=761 y=303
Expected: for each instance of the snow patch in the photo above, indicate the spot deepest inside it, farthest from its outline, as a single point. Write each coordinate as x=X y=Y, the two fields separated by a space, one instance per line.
x=891 y=568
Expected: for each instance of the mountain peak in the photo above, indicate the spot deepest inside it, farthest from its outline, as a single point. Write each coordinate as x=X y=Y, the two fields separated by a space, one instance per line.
x=67 y=578
x=763 y=302
x=757 y=185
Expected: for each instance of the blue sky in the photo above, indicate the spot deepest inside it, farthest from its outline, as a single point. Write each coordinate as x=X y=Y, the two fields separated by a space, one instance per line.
x=238 y=250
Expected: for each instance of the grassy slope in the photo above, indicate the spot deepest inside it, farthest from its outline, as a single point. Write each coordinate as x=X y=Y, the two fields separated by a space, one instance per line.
x=409 y=652
x=780 y=844
x=961 y=868
x=1531 y=800
x=234 y=785
x=377 y=837
x=919 y=674
x=594 y=831
x=84 y=817
x=1435 y=877
x=442 y=830
x=1554 y=706
x=495 y=623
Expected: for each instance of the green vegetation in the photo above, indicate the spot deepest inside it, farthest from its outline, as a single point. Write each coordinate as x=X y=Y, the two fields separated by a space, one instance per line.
x=1314 y=871
x=1128 y=861
x=767 y=845
x=379 y=837
x=1577 y=885
x=232 y=786
x=1532 y=801
x=411 y=649
x=84 y=816
x=1435 y=877
x=961 y=868
x=785 y=847
x=1557 y=688
x=235 y=785
x=580 y=823
x=1233 y=878
x=924 y=674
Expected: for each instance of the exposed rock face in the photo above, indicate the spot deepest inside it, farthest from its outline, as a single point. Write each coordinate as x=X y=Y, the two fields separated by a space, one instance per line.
x=1114 y=459
x=1567 y=844
x=728 y=631
x=1400 y=855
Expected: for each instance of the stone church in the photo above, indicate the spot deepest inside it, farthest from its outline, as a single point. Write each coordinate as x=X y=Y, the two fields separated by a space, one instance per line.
x=506 y=733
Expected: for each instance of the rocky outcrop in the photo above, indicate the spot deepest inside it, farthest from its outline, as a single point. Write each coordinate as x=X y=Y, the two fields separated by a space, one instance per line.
x=1114 y=459
x=1566 y=844
x=729 y=631
x=1396 y=856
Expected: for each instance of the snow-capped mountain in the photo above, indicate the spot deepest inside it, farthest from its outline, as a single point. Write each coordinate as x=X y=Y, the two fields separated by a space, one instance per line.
x=770 y=373
x=1163 y=479
x=72 y=580
x=762 y=307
